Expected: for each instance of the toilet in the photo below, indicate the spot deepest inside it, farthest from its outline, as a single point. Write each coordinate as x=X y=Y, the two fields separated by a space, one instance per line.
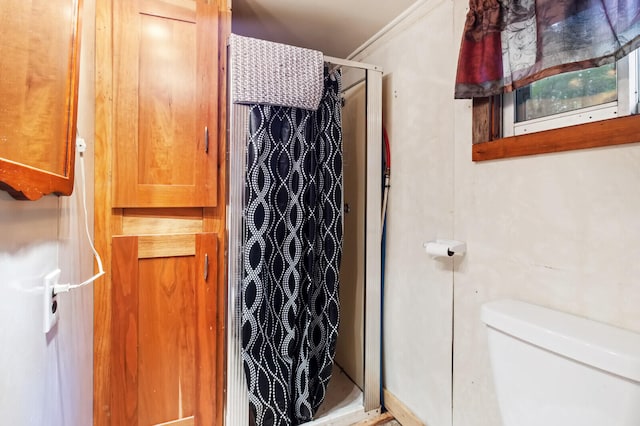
x=555 y=369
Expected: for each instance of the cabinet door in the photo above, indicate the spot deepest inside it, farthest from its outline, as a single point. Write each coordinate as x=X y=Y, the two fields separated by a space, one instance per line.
x=163 y=357
x=165 y=103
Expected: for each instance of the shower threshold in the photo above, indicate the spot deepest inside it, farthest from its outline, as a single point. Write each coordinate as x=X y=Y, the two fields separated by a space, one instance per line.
x=343 y=404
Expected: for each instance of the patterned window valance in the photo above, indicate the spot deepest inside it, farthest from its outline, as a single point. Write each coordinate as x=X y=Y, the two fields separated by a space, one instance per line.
x=508 y=44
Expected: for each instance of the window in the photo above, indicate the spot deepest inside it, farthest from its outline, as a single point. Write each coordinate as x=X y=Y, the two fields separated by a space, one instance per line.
x=566 y=93
x=572 y=98
x=543 y=116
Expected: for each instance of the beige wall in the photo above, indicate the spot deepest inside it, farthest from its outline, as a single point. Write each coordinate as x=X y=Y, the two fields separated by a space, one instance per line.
x=560 y=230
x=350 y=345
x=47 y=380
x=418 y=290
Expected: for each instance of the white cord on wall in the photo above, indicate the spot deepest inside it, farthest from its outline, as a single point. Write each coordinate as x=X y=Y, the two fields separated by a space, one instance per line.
x=63 y=288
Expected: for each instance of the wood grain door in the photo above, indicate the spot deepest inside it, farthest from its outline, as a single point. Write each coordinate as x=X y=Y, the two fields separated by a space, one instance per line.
x=165 y=103
x=164 y=330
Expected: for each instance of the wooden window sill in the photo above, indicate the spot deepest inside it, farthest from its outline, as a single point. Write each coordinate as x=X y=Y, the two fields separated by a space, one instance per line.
x=615 y=131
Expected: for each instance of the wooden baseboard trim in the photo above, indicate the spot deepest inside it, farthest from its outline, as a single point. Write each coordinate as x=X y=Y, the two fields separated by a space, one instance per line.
x=400 y=411
x=377 y=420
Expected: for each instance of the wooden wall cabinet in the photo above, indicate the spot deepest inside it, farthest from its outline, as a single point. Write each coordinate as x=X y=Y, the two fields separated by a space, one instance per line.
x=159 y=312
x=39 y=62
x=166 y=98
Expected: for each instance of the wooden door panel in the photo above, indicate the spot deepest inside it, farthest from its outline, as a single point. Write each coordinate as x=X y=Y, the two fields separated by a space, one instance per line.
x=166 y=97
x=166 y=339
x=167 y=102
x=163 y=326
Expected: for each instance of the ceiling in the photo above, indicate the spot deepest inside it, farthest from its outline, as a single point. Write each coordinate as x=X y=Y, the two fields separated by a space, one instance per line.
x=335 y=27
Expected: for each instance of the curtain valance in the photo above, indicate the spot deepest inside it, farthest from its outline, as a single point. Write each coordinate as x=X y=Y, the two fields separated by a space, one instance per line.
x=508 y=44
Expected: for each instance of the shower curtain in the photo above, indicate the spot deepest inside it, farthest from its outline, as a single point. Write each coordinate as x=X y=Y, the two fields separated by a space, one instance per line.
x=292 y=246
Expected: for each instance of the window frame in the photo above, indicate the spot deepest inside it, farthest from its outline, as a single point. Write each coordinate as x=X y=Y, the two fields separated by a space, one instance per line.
x=488 y=143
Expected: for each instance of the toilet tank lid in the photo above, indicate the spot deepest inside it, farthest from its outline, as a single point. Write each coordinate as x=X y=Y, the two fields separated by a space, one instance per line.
x=593 y=343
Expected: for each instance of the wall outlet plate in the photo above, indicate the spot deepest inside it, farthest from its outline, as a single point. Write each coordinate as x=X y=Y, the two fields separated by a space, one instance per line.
x=50 y=300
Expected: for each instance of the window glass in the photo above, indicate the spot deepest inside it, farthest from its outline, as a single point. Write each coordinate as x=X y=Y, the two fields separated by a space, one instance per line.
x=566 y=92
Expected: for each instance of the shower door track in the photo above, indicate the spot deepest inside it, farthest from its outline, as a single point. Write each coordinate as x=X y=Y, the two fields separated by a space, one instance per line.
x=236 y=395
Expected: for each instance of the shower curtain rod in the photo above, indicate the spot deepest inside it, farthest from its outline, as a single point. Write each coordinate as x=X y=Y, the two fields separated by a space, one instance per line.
x=348 y=63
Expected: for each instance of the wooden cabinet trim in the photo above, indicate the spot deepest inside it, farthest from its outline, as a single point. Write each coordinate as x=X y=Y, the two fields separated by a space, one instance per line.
x=184 y=10
x=150 y=246
x=124 y=337
x=162 y=221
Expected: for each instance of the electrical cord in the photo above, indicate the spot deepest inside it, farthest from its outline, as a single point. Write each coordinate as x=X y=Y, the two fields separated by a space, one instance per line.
x=63 y=288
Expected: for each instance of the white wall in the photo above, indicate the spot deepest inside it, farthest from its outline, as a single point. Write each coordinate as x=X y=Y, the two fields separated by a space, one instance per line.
x=560 y=230
x=419 y=116
x=350 y=344
x=47 y=380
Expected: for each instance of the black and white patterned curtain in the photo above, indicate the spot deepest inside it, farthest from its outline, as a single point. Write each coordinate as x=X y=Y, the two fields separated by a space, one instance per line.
x=292 y=246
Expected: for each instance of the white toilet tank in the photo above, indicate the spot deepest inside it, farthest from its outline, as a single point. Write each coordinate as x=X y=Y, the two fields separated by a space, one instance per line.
x=555 y=369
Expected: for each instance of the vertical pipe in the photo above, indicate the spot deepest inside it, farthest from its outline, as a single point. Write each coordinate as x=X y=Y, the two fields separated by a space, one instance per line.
x=373 y=232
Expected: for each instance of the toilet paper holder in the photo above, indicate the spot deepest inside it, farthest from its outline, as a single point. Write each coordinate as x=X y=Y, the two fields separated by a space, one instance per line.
x=445 y=248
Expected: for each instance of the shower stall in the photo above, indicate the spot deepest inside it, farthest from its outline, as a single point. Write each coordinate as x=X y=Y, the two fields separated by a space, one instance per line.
x=353 y=393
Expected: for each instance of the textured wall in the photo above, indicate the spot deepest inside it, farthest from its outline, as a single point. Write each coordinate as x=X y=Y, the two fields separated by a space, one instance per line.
x=418 y=115
x=47 y=380
x=350 y=345
x=560 y=230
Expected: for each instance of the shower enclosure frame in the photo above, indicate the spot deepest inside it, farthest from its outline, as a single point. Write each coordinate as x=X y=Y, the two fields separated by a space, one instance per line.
x=236 y=396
